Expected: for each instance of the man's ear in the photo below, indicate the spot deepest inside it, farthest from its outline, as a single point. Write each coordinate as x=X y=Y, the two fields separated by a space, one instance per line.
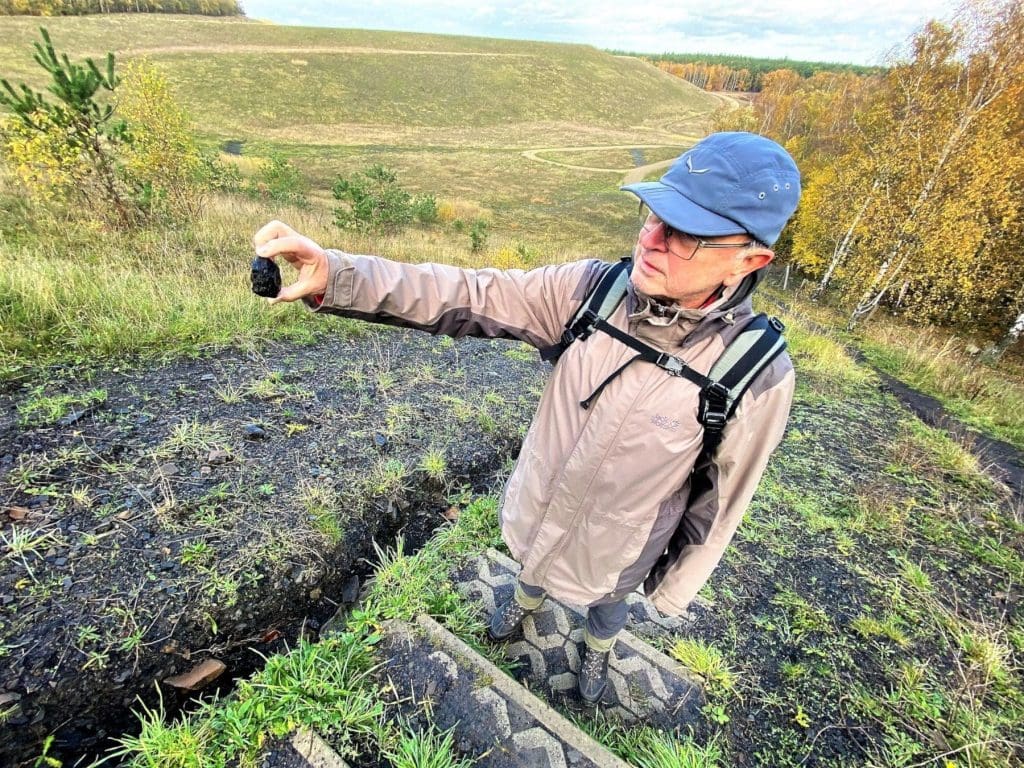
x=751 y=260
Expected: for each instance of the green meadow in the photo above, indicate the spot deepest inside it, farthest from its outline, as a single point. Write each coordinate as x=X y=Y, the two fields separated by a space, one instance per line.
x=452 y=116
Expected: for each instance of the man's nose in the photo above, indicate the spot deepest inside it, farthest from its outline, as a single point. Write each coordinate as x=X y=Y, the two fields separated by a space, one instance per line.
x=653 y=238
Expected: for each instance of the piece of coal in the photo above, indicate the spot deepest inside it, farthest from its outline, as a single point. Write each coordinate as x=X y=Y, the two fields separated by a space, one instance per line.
x=266 y=277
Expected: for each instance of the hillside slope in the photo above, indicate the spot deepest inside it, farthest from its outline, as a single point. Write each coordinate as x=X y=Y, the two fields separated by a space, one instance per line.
x=251 y=80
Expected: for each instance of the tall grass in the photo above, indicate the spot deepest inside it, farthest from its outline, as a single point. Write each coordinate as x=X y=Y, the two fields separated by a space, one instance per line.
x=988 y=397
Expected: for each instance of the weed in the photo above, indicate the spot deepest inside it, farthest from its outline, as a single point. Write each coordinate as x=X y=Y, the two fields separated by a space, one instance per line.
x=434 y=464
x=197 y=553
x=322 y=505
x=268 y=388
x=398 y=418
x=388 y=478
x=23 y=542
x=916 y=577
x=708 y=662
x=804 y=618
x=425 y=750
x=231 y=395
x=192 y=437
x=889 y=627
x=46 y=409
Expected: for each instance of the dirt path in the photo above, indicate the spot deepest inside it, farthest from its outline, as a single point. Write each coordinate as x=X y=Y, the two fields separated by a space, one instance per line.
x=630 y=175
x=1000 y=459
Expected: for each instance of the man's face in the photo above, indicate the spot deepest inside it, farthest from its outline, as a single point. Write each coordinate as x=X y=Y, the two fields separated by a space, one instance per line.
x=663 y=267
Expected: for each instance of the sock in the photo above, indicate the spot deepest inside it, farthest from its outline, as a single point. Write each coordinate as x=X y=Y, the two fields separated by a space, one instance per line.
x=527 y=602
x=603 y=645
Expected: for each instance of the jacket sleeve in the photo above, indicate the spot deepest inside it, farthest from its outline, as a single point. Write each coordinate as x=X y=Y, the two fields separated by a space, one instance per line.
x=721 y=489
x=530 y=306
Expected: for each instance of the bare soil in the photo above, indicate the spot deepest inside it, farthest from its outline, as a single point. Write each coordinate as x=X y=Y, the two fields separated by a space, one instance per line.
x=219 y=507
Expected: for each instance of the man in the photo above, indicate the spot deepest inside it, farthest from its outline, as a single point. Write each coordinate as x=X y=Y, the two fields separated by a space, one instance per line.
x=606 y=497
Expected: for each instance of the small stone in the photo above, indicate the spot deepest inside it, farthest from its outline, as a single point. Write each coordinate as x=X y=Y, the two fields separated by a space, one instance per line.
x=17 y=513
x=167 y=469
x=205 y=470
x=7 y=599
x=60 y=562
x=315 y=593
x=207 y=377
x=168 y=565
x=199 y=676
x=254 y=432
x=380 y=441
x=218 y=457
x=350 y=591
x=66 y=582
x=265 y=277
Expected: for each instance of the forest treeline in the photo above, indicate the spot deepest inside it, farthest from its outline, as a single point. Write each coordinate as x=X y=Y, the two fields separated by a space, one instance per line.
x=83 y=7
x=726 y=72
x=913 y=178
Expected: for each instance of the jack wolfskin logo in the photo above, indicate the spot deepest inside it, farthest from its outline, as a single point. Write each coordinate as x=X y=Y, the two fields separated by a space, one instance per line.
x=691 y=169
x=665 y=423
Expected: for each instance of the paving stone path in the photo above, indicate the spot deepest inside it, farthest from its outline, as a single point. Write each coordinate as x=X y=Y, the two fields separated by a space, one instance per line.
x=645 y=686
x=496 y=721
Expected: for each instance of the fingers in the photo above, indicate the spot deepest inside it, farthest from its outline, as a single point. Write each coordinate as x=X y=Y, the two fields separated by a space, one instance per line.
x=295 y=248
x=278 y=239
x=271 y=231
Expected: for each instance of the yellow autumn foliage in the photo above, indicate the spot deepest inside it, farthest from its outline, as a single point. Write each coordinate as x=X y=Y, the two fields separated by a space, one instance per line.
x=163 y=155
x=47 y=165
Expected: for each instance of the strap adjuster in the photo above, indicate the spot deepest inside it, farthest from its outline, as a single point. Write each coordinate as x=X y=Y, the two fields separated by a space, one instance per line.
x=714 y=406
x=671 y=364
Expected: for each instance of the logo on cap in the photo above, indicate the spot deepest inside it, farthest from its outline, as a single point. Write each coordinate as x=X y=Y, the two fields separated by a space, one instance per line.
x=691 y=169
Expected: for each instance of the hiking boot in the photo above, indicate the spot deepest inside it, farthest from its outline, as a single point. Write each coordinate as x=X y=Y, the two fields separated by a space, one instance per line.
x=506 y=620
x=593 y=677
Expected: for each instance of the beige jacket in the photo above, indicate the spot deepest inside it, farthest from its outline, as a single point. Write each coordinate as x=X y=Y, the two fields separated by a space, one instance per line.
x=606 y=498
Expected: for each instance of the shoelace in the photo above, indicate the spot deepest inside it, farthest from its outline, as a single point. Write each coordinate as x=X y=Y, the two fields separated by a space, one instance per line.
x=514 y=612
x=592 y=662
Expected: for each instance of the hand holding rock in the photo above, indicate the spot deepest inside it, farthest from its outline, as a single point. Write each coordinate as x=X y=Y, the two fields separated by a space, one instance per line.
x=278 y=239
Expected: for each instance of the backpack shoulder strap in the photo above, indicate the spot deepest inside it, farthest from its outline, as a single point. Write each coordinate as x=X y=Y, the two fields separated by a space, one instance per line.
x=599 y=304
x=760 y=342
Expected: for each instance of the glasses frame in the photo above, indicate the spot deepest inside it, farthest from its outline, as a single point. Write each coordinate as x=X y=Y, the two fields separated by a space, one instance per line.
x=668 y=231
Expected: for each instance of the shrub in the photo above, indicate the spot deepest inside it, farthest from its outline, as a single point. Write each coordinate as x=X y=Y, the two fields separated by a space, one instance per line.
x=374 y=200
x=281 y=181
x=478 y=235
x=161 y=154
x=70 y=143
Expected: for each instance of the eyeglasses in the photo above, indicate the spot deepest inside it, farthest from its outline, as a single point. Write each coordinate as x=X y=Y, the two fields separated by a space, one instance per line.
x=684 y=240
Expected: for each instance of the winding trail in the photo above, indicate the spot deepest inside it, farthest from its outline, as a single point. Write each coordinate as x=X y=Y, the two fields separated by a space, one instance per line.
x=637 y=173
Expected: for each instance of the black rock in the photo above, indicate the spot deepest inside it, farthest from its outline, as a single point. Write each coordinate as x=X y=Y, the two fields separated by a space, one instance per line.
x=266 y=277
x=351 y=590
x=254 y=432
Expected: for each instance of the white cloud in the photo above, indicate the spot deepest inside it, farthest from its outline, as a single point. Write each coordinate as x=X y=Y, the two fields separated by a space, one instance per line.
x=857 y=31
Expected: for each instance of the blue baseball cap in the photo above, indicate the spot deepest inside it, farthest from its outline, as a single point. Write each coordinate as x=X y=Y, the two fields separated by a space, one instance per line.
x=727 y=184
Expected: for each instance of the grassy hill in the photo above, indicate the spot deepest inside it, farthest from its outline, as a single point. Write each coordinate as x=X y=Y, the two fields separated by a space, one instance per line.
x=451 y=115
x=251 y=80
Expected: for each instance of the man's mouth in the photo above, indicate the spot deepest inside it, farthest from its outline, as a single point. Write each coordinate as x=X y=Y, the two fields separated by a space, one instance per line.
x=647 y=266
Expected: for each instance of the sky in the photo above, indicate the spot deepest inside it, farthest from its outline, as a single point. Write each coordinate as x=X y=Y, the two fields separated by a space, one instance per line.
x=854 y=31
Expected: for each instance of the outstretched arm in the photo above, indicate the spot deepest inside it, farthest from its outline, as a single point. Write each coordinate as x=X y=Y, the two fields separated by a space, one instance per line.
x=530 y=306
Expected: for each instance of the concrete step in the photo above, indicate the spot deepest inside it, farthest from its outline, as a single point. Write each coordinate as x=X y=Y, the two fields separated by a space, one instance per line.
x=644 y=685
x=496 y=720
x=304 y=749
